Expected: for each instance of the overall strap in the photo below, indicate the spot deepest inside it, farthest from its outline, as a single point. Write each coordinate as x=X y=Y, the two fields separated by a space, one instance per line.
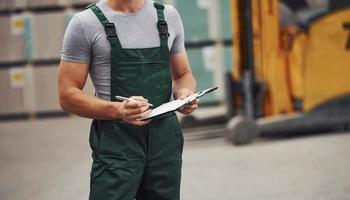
x=108 y=26
x=162 y=26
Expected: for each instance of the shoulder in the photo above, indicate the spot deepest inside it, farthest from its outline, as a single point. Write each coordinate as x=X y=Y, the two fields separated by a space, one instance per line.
x=171 y=13
x=85 y=18
x=83 y=27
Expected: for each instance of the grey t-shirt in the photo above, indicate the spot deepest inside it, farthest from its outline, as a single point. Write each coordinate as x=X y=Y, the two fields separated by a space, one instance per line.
x=85 y=39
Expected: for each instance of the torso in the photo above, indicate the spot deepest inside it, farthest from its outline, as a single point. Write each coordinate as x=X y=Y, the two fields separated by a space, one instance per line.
x=134 y=30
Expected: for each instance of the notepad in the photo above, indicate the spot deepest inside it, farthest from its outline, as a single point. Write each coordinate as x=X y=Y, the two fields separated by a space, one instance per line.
x=176 y=104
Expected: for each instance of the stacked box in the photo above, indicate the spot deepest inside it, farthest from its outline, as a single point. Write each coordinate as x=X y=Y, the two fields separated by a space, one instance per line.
x=12 y=42
x=78 y=2
x=226 y=28
x=46 y=88
x=194 y=19
x=11 y=97
x=12 y=4
x=48 y=31
x=194 y=16
x=44 y=3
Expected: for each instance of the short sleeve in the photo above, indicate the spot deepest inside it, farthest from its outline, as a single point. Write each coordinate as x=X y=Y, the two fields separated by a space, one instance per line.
x=76 y=47
x=179 y=38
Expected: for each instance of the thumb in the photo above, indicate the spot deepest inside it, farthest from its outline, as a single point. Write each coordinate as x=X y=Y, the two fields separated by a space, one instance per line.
x=182 y=96
x=183 y=93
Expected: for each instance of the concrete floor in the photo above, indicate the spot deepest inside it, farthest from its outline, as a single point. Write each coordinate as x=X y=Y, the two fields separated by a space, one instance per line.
x=50 y=160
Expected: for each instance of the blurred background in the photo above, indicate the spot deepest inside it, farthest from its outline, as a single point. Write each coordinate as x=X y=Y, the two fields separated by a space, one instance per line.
x=277 y=127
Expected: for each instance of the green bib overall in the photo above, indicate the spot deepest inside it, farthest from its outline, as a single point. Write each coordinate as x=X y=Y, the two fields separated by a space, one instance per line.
x=137 y=162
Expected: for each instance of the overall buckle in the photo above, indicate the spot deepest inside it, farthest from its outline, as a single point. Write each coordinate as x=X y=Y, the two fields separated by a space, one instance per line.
x=110 y=30
x=163 y=28
x=158 y=5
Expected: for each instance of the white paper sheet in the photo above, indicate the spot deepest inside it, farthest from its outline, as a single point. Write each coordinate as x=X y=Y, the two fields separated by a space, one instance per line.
x=176 y=104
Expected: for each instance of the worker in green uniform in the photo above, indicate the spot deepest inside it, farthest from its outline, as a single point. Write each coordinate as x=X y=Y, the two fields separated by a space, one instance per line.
x=130 y=48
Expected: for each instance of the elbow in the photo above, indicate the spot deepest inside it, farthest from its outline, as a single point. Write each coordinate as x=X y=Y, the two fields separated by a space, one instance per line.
x=64 y=101
x=62 y=104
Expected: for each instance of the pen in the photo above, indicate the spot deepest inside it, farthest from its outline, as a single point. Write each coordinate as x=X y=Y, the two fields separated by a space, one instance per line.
x=128 y=99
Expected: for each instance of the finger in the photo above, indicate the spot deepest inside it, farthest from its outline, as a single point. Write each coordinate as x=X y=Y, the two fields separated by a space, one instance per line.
x=188 y=108
x=183 y=95
x=132 y=104
x=135 y=104
x=139 y=115
x=140 y=123
x=186 y=111
x=193 y=102
x=136 y=111
x=191 y=106
x=183 y=109
x=144 y=122
x=139 y=98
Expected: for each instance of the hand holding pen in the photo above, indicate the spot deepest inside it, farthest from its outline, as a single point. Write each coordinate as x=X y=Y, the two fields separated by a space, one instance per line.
x=133 y=109
x=132 y=99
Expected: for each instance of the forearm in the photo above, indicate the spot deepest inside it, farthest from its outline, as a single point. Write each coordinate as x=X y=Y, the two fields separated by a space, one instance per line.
x=185 y=81
x=76 y=101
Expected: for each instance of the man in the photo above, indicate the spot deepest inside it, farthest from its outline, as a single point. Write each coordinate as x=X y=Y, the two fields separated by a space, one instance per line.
x=131 y=48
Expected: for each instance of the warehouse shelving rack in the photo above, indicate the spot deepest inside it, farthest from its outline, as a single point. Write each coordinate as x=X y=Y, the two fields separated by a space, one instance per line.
x=30 y=63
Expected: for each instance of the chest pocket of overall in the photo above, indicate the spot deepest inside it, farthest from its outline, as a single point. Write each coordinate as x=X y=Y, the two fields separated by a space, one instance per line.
x=150 y=79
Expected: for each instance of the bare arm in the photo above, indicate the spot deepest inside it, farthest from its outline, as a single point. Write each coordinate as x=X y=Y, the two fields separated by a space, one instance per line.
x=181 y=72
x=184 y=82
x=71 y=80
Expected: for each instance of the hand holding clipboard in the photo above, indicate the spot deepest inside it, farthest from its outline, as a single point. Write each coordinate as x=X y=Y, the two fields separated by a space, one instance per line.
x=176 y=104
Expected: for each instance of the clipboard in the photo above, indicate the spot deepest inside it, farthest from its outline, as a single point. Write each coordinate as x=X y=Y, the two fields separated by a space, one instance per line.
x=176 y=104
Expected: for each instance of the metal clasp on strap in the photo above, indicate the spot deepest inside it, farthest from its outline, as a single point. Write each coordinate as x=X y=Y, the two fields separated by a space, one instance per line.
x=110 y=30
x=158 y=5
x=163 y=28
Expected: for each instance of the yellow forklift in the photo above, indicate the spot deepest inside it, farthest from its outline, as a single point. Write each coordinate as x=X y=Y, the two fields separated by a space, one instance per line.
x=288 y=78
